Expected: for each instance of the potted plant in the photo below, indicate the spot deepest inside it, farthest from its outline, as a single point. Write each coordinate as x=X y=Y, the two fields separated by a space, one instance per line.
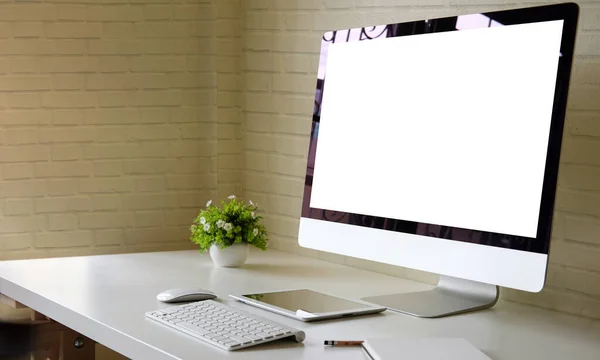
x=227 y=230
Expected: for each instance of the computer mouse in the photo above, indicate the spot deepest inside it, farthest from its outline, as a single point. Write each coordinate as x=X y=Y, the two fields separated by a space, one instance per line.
x=184 y=294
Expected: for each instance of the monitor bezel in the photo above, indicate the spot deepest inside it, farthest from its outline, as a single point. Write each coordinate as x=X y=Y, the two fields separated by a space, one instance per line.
x=568 y=12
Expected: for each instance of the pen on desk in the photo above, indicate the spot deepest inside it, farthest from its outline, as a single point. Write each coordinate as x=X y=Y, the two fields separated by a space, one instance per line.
x=343 y=342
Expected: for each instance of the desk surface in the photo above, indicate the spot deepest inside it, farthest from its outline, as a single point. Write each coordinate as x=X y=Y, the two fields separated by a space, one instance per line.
x=105 y=298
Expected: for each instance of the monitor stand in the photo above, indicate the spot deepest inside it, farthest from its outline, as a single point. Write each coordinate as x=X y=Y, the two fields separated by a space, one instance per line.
x=451 y=296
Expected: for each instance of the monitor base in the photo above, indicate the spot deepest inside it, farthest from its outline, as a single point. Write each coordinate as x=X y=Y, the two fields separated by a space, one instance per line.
x=451 y=296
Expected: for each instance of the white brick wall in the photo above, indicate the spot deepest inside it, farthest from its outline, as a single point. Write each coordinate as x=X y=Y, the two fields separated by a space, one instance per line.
x=279 y=61
x=110 y=118
x=119 y=120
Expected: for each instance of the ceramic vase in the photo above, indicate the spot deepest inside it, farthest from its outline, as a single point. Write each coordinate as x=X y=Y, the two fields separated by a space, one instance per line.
x=231 y=256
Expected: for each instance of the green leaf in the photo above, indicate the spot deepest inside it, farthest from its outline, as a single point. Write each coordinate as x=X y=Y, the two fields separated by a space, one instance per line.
x=231 y=211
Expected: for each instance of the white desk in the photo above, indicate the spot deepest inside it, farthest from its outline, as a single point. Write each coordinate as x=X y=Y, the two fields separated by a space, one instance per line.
x=105 y=298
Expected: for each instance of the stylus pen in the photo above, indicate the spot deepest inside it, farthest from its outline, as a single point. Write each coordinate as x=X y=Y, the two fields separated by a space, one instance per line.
x=343 y=342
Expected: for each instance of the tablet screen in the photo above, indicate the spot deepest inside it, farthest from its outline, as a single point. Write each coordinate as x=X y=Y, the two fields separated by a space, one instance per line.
x=307 y=300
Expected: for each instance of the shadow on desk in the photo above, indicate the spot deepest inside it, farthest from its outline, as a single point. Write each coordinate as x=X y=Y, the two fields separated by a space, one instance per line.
x=347 y=320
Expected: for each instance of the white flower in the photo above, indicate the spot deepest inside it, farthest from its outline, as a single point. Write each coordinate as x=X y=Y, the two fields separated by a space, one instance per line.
x=227 y=226
x=208 y=203
x=253 y=215
x=220 y=223
x=202 y=220
x=231 y=197
x=255 y=232
x=206 y=227
x=250 y=201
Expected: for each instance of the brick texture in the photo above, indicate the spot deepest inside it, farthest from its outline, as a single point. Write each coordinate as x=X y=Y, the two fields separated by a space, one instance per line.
x=93 y=97
x=279 y=63
x=119 y=119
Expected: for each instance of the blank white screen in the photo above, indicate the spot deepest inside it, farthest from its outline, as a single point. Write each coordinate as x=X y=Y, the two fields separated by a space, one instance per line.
x=445 y=128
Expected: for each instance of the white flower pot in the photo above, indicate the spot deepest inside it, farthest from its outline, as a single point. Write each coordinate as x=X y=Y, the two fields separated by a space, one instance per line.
x=231 y=256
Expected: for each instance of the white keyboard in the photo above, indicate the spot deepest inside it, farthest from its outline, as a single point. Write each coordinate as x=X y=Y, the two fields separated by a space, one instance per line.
x=223 y=326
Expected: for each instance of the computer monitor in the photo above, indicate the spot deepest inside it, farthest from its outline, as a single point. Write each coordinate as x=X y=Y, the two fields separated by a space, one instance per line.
x=435 y=146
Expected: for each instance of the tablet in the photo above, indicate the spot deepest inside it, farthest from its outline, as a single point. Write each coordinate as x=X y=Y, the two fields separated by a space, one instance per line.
x=308 y=305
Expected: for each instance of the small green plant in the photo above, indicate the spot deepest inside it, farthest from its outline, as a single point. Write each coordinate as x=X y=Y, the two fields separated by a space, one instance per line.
x=231 y=223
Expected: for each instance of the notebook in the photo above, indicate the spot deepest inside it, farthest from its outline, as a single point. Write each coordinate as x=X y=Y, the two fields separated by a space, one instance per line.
x=421 y=349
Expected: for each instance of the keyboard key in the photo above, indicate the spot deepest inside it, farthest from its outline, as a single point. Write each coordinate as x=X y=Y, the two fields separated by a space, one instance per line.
x=193 y=327
x=254 y=337
x=216 y=323
x=170 y=310
x=240 y=339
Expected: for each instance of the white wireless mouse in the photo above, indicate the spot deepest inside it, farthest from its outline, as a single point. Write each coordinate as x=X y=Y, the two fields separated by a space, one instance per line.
x=183 y=294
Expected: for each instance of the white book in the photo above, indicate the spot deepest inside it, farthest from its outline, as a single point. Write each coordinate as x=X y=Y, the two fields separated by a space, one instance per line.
x=421 y=349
